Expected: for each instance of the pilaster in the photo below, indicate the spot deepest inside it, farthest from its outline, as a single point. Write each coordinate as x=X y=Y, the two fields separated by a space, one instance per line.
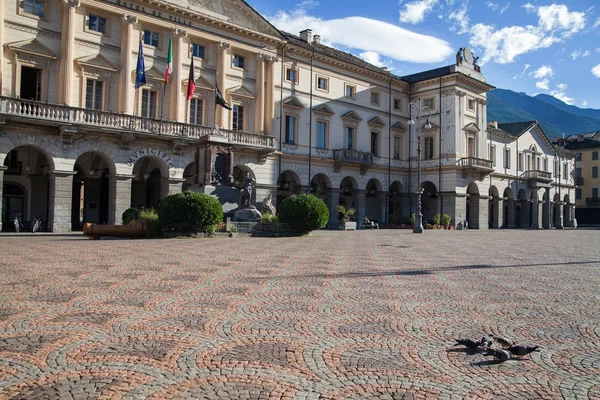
x=120 y=197
x=361 y=197
x=60 y=201
x=177 y=98
x=333 y=202
x=482 y=215
x=259 y=102
x=67 y=58
x=2 y=169
x=222 y=115
x=126 y=102
x=269 y=103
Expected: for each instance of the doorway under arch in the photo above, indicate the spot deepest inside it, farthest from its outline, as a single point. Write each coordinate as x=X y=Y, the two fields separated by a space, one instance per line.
x=150 y=182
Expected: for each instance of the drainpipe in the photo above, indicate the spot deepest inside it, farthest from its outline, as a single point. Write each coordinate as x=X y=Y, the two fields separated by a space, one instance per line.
x=387 y=203
x=281 y=107
x=310 y=133
x=440 y=155
x=410 y=197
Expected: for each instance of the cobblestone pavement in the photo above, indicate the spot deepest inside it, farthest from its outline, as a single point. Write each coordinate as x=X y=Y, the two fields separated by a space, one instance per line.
x=339 y=315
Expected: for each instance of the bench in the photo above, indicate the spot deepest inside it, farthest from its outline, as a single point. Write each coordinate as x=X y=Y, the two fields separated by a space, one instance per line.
x=368 y=225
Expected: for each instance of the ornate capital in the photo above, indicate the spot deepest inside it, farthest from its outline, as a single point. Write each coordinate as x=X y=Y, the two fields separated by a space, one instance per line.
x=179 y=32
x=224 y=45
x=72 y=3
x=130 y=19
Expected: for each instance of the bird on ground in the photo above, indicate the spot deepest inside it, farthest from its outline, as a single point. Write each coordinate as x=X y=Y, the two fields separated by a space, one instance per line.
x=487 y=341
x=504 y=342
x=500 y=355
x=522 y=350
x=469 y=343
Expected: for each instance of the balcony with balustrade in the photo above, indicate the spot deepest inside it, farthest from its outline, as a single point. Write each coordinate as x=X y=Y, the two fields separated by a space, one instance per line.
x=537 y=178
x=343 y=157
x=476 y=165
x=82 y=120
x=592 y=201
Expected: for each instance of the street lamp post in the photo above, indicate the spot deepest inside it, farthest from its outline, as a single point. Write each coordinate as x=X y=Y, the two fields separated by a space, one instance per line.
x=560 y=224
x=418 y=228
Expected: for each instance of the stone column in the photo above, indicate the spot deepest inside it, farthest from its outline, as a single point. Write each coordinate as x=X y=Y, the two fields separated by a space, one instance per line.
x=500 y=205
x=60 y=199
x=483 y=213
x=67 y=53
x=221 y=113
x=334 y=201
x=173 y=186
x=2 y=169
x=259 y=102
x=383 y=203
x=177 y=98
x=126 y=88
x=120 y=197
x=269 y=101
x=360 y=196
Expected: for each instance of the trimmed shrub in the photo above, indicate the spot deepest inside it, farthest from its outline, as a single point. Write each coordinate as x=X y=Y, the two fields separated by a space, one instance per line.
x=129 y=214
x=150 y=217
x=436 y=219
x=413 y=219
x=269 y=218
x=446 y=219
x=189 y=212
x=304 y=212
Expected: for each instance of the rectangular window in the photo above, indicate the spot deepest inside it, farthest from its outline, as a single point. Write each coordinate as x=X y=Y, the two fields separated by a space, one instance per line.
x=238 y=61
x=321 y=135
x=428 y=148
x=578 y=172
x=566 y=171
x=349 y=138
x=428 y=103
x=594 y=172
x=238 y=118
x=471 y=104
x=595 y=193
x=578 y=194
x=579 y=157
x=493 y=154
x=322 y=83
x=35 y=7
x=545 y=164
x=151 y=38
x=520 y=162
x=350 y=91
x=198 y=50
x=397 y=104
x=94 y=94
x=506 y=158
x=538 y=164
x=149 y=101
x=470 y=147
x=375 y=143
x=291 y=75
x=397 y=147
x=290 y=129
x=196 y=109
x=594 y=155
x=375 y=98
x=31 y=83
x=96 y=23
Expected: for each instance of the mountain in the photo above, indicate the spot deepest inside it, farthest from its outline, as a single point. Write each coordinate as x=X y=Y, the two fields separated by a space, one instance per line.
x=554 y=116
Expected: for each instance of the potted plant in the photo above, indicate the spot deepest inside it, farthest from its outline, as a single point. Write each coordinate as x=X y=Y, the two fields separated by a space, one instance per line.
x=347 y=223
x=412 y=221
x=446 y=218
x=436 y=220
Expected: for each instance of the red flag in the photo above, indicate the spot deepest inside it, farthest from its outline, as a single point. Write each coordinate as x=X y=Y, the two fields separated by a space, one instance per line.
x=191 y=83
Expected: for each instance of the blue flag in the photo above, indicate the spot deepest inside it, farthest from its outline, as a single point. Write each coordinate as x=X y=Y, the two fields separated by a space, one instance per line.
x=140 y=71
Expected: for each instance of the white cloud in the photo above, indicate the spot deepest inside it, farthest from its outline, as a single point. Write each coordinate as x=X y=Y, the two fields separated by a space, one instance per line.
x=306 y=4
x=596 y=71
x=597 y=23
x=367 y=34
x=562 y=86
x=522 y=74
x=415 y=12
x=556 y=23
x=544 y=84
x=496 y=7
x=598 y=50
x=584 y=103
x=374 y=58
x=543 y=72
x=559 y=94
x=579 y=53
x=459 y=20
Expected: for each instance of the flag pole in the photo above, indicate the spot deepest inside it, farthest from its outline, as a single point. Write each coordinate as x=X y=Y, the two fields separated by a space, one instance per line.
x=167 y=73
x=216 y=90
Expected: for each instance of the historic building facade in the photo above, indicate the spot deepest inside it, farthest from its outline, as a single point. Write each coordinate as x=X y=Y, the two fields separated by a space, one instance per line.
x=80 y=143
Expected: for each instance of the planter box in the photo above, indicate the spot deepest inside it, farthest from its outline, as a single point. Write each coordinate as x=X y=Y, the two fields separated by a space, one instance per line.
x=348 y=226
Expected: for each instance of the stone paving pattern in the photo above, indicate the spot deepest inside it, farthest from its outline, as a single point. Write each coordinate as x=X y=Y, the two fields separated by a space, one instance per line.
x=339 y=315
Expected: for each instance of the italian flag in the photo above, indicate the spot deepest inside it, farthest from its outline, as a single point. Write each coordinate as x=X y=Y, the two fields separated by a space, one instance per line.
x=169 y=69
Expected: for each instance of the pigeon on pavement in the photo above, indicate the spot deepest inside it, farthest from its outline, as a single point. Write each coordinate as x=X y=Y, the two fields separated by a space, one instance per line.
x=500 y=355
x=469 y=343
x=522 y=350
x=504 y=342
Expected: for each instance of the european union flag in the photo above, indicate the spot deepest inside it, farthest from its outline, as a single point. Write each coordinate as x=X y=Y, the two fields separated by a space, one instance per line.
x=140 y=71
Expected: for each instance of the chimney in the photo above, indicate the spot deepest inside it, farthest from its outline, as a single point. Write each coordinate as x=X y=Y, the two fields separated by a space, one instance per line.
x=306 y=35
x=494 y=124
x=317 y=39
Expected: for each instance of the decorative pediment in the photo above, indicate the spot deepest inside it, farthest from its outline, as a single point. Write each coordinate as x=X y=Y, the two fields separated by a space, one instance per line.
x=241 y=91
x=376 y=122
x=433 y=126
x=399 y=126
x=471 y=127
x=155 y=74
x=32 y=47
x=293 y=102
x=323 y=109
x=352 y=116
x=96 y=62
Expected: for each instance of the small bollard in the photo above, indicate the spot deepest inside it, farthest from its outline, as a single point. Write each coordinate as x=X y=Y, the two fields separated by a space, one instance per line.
x=228 y=224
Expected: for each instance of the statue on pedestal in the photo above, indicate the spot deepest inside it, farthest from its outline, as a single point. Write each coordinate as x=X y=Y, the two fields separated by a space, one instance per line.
x=267 y=205
x=246 y=193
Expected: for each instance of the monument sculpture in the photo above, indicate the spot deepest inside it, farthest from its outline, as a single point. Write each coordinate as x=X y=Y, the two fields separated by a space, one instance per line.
x=246 y=211
x=246 y=193
x=267 y=205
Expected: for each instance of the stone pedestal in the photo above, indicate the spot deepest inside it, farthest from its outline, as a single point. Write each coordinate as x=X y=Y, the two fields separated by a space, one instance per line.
x=247 y=215
x=228 y=196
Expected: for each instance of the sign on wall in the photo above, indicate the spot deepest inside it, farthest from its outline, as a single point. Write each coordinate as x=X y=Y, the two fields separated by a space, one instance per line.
x=150 y=151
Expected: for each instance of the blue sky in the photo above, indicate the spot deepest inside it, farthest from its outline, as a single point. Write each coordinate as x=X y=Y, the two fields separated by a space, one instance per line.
x=534 y=46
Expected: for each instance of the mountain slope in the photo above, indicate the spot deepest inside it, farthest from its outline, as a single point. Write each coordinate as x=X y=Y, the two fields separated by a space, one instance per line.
x=555 y=119
x=586 y=112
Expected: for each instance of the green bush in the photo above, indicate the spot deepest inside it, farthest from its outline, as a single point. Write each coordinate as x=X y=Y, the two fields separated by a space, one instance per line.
x=304 y=212
x=413 y=219
x=446 y=218
x=129 y=214
x=436 y=219
x=189 y=212
x=347 y=214
x=150 y=217
x=269 y=218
